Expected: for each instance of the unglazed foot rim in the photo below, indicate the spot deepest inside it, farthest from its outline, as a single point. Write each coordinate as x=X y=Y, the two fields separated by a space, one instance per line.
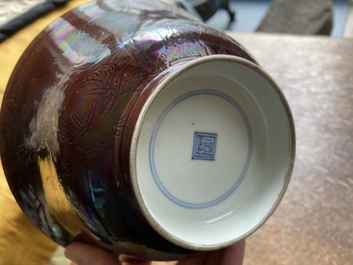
x=212 y=152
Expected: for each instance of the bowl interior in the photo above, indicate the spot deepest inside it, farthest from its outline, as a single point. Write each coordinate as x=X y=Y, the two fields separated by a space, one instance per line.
x=212 y=152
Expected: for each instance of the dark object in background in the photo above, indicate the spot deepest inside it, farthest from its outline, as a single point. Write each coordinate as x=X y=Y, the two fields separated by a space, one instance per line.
x=205 y=9
x=23 y=20
x=314 y=17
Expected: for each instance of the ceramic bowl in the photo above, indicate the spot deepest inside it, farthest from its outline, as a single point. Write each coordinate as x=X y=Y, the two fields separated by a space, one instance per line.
x=133 y=127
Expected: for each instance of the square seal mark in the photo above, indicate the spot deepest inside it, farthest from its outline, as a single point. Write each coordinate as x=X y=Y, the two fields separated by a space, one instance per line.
x=204 y=146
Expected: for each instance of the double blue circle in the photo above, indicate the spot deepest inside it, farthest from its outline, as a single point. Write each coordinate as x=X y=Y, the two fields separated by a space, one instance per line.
x=154 y=172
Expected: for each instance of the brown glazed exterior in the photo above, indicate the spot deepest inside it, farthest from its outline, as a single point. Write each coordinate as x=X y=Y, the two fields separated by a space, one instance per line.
x=68 y=115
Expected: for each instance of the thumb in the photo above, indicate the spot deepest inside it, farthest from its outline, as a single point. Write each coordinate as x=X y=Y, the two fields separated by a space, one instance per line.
x=84 y=254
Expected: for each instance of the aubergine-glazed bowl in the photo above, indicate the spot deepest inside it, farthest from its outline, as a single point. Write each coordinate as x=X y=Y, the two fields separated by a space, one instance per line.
x=132 y=126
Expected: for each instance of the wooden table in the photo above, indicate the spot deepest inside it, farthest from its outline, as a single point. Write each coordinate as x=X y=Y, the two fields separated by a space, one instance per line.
x=314 y=222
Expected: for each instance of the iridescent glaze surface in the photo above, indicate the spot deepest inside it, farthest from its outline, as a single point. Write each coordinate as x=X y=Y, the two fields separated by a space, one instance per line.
x=64 y=133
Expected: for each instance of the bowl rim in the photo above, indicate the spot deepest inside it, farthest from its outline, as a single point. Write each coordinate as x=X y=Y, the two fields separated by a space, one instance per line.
x=136 y=134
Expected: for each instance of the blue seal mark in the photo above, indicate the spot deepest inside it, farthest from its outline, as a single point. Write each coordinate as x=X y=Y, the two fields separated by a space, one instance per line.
x=204 y=146
x=207 y=152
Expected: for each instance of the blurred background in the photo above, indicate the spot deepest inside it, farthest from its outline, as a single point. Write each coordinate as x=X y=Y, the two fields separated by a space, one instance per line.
x=284 y=16
x=250 y=13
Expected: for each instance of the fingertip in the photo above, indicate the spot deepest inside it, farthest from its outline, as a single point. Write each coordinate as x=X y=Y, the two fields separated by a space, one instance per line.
x=133 y=260
x=235 y=254
x=83 y=254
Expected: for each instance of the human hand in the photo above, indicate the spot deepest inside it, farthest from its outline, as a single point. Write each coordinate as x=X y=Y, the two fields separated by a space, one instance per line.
x=84 y=254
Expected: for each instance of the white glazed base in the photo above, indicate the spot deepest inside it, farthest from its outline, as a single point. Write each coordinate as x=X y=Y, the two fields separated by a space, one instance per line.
x=212 y=152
